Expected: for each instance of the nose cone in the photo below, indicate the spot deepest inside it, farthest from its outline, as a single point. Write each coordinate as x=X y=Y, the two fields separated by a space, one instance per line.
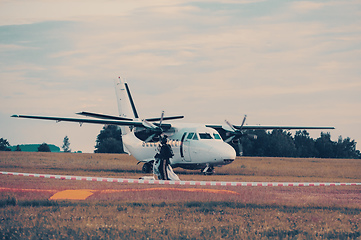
x=223 y=153
x=228 y=154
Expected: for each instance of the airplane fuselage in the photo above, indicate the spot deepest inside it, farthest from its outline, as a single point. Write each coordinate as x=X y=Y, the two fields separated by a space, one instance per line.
x=194 y=146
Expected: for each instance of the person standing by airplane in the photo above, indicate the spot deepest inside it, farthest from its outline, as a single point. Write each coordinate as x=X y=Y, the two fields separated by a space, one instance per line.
x=165 y=153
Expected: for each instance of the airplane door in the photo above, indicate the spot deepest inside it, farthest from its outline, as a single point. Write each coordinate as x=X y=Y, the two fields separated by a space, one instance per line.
x=185 y=147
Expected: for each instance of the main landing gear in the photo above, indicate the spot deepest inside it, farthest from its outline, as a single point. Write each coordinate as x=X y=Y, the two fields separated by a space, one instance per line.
x=147 y=167
x=209 y=170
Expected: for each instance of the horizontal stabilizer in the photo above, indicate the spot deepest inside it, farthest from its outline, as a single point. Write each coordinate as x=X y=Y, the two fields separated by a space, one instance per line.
x=104 y=116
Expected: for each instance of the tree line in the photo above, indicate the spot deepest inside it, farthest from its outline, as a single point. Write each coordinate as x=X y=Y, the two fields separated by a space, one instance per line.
x=276 y=143
x=44 y=147
x=280 y=143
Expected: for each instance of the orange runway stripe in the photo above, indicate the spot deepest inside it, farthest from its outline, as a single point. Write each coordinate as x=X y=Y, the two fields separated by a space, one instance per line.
x=80 y=194
x=2 y=189
x=171 y=189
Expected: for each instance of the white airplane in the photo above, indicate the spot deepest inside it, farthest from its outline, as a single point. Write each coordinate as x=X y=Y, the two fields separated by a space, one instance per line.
x=195 y=146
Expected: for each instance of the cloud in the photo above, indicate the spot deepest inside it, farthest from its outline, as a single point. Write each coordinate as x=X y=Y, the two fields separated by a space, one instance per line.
x=306 y=6
x=27 y=12
x=207 y=60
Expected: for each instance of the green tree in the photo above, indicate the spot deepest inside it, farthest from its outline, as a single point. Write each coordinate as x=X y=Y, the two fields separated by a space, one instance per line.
x=305 y=145
x=44 y=148
x=325 y=146
x=17 y=149
x=4 y=145
x=258 y=147
x=109 y=140
x=345 y=148
x=281 y=144
x=66 y=144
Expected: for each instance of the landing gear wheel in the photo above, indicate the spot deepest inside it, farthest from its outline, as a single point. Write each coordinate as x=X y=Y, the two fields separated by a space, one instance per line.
x=147 y=167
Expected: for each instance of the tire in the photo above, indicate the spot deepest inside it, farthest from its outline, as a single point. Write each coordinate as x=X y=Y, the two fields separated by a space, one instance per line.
x=147 y=167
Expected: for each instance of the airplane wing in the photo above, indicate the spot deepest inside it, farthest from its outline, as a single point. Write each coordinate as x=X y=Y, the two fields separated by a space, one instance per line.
x=92 y=121
x=281 y=127
x=164 y=118
x=258 y=127
x=233 y=133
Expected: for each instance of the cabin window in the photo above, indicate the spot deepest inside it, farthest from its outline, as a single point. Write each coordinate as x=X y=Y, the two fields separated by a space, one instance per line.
x=205 y=136
x=216 y=136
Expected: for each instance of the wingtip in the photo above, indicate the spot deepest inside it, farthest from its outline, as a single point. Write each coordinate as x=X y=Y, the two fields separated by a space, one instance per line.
x=15 y=115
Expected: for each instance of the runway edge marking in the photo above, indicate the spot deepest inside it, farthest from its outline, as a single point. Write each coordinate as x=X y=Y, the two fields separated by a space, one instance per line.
x=189 y=183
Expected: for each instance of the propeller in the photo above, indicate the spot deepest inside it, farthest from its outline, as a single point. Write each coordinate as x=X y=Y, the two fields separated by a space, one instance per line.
x=156 y=130
x=236 y=134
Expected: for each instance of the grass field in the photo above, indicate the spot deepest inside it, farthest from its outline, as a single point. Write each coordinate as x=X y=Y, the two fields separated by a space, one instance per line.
x=139 y=211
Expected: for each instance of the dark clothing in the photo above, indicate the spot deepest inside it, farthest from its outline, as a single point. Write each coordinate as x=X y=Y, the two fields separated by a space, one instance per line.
x=165 y=153
x=163 y=169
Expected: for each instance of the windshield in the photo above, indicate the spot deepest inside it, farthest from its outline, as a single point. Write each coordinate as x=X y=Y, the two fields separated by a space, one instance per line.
x=216 y=136
x=190 y=135
x=205 y=136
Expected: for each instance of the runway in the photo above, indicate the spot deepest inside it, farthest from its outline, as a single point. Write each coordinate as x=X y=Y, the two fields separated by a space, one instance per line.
x=187 y=183
x=32 y=186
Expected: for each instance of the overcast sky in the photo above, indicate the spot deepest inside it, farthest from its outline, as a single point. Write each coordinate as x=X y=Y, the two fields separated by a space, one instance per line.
x=280 y=62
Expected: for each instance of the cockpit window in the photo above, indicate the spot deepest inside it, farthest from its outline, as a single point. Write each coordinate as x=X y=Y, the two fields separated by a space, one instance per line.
x=205 y=136
x=190 y=135
x=216 y=136
x=195 y=136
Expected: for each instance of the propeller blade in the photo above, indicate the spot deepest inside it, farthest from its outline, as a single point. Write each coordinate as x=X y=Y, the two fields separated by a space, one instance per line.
x=231 y=126
x=147 y=124
x=154 y=129
x=244 y=120
x=230 y=138
x=161 y=119
x=240 y=148
x=150 y=138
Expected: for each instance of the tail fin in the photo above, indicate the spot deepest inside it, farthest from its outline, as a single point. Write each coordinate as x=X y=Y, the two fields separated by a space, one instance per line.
x=126 y=106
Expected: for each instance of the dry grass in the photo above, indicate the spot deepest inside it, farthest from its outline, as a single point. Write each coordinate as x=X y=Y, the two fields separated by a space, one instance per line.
x=190 y=220
x=131 y=211
x=243 y=169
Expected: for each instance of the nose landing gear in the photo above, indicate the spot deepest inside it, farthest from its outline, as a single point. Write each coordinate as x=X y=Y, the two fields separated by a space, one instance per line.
x=208 y=170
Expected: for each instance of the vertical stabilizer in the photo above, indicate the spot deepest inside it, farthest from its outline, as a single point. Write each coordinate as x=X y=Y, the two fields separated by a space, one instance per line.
x=126 y=106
